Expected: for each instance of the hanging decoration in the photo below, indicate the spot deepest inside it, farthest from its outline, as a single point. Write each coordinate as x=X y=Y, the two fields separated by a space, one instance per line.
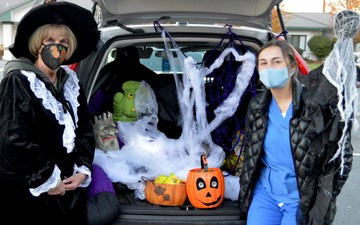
x=339 y=69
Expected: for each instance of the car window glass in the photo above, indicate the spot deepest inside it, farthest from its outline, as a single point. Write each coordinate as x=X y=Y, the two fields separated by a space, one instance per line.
x=159 y=63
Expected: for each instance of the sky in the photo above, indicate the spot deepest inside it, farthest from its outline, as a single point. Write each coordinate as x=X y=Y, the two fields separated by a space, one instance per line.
x=304 y=5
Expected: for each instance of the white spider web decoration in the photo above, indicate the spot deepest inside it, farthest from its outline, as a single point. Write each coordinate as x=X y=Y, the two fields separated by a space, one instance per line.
x=339 y=69
x=148 y=152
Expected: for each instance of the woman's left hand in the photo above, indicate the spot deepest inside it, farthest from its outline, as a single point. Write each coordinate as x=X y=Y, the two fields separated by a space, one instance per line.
x=71 y=183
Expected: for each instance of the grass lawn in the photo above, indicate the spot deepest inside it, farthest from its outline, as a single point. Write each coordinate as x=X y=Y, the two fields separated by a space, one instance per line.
x=313 y=65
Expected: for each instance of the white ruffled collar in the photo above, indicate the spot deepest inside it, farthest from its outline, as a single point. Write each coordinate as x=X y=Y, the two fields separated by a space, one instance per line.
x=71 y=92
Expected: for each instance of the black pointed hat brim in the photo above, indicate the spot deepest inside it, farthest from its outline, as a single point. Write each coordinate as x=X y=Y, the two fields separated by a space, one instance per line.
x=78 y=19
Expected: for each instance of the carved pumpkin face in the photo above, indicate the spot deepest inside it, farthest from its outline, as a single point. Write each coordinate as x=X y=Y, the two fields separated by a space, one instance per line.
x=205 y=189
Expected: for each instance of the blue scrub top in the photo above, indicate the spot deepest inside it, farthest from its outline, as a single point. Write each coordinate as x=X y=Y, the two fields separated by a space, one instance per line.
x=278 y=174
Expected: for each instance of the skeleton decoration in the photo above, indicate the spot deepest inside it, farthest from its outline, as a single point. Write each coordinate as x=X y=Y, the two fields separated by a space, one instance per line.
x=339 y=69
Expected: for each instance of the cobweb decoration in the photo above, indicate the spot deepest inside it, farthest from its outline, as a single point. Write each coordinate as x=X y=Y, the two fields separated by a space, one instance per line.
x=148 y=152
x=219 y=84
x=340 y=70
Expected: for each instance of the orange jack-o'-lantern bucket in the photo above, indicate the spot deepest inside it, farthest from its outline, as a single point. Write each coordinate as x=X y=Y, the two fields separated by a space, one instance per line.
x=165 y=194
x=205 y=186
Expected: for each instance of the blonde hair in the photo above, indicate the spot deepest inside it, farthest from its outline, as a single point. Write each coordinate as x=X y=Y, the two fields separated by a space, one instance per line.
x=47 y=30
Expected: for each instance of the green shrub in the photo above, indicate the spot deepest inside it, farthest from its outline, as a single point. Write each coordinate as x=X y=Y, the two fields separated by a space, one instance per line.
x=321 y=46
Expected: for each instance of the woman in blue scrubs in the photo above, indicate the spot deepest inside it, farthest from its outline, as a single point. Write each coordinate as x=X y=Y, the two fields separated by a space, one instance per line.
x=291 y=135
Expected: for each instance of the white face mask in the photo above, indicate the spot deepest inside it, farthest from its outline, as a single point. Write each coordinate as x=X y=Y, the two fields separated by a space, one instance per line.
x=275 y=78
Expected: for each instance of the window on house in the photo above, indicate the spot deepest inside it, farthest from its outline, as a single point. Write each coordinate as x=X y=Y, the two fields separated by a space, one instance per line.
x=298 y=41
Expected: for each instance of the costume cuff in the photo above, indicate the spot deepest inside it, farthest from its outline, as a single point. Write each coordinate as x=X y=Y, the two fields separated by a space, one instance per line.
x=86 y=171
x=50 y=183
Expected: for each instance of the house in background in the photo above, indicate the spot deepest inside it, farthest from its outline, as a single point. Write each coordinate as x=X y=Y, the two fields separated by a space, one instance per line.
x=10 y=15
x=300 y=26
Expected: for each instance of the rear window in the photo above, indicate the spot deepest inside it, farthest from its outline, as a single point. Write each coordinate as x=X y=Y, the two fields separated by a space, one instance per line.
x=159 y=63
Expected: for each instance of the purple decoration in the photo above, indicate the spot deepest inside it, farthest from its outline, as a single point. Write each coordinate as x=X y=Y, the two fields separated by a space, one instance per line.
x=100 y=182
x=99 y=101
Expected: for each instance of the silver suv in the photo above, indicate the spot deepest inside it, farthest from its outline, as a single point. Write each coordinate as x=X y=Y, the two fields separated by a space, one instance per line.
x=131 y=48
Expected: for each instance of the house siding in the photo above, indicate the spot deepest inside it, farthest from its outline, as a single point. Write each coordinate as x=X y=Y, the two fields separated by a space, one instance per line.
x=309 y=25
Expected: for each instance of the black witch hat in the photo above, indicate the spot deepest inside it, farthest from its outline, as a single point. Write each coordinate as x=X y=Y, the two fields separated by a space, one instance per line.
x=78 y=19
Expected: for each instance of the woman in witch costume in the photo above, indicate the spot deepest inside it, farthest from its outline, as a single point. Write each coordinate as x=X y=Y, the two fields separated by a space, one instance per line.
x=46 y=141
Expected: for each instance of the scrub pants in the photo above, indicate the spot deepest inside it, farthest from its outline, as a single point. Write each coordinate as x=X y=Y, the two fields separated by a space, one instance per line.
x=265 y=210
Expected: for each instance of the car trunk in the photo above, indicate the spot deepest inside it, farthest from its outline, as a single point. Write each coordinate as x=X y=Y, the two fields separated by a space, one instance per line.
x=127 y=14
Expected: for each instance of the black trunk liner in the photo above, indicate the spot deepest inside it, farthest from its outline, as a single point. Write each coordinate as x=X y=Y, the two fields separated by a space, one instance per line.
x=136 y=211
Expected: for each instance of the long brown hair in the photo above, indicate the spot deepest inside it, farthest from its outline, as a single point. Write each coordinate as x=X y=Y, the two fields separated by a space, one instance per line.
x=286 y=49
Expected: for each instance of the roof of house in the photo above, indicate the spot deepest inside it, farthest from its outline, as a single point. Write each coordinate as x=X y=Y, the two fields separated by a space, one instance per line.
x=7 y=5
x=10 y=6
x=308 y=21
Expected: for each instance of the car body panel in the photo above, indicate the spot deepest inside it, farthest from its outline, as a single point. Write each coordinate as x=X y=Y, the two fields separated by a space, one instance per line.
x=125 y=23
x=251 y=13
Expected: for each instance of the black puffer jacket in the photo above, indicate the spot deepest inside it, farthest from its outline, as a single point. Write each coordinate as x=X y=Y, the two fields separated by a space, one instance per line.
x=315 y=129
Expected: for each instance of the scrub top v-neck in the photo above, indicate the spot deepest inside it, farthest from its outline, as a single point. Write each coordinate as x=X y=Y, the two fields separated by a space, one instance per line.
x=278 y=173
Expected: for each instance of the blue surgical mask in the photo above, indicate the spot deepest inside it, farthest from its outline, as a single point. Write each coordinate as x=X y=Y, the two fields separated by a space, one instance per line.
x=275 y=78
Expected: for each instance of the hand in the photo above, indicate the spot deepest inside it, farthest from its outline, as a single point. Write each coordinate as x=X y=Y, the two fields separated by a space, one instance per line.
x=71 y=183
x=59 y=189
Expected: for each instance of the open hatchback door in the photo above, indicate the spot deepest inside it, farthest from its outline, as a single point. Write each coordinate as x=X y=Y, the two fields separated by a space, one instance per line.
x=131 y=48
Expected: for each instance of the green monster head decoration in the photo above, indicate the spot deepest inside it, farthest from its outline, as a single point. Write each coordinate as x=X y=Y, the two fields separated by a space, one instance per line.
x=124 y=103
